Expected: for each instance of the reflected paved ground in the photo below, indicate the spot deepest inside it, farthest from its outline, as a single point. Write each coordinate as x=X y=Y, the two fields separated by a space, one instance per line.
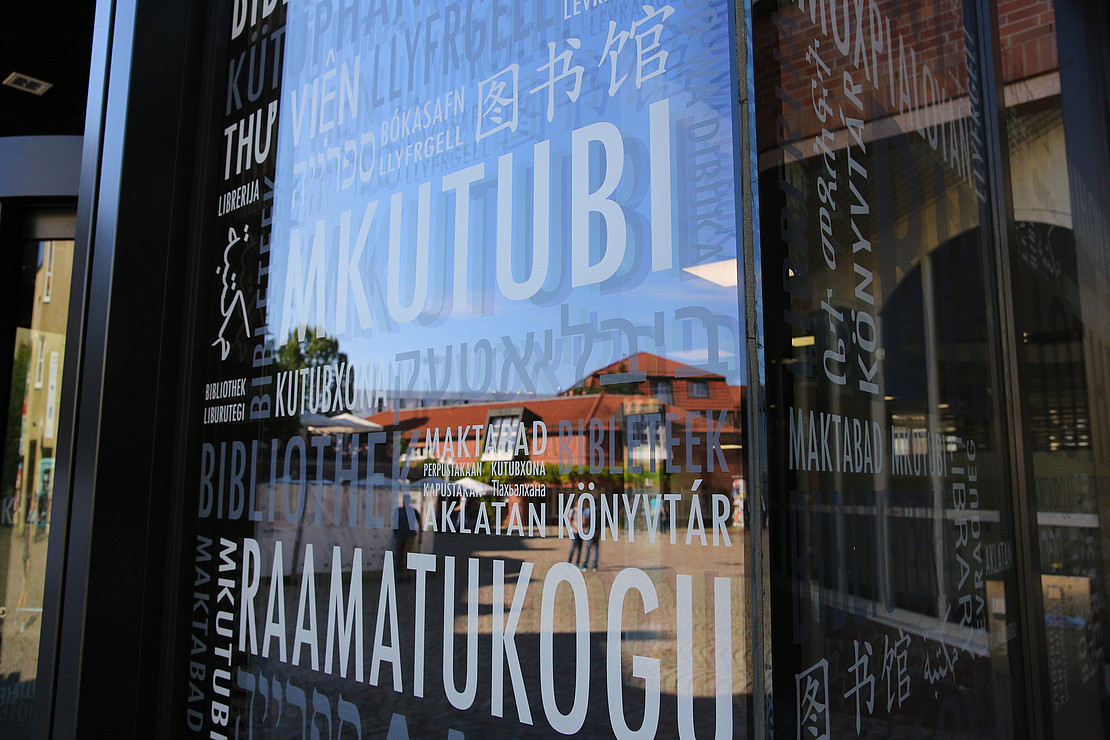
x=25 y=560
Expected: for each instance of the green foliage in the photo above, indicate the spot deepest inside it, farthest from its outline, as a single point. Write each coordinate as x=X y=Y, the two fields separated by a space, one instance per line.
x=314 y=351
x=15 y=418
x=616 y=389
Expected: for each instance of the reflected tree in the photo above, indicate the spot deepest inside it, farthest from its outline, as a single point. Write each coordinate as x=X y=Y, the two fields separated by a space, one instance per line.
x=313 y=351
x=15 y=419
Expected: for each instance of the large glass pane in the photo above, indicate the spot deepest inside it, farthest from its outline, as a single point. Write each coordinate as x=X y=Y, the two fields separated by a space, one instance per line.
x=894 y=609
x=1058 y=256
x=26 y=485
x=470 y=448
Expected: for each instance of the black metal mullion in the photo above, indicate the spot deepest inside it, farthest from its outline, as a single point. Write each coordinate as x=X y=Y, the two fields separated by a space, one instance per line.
x=1031 y=715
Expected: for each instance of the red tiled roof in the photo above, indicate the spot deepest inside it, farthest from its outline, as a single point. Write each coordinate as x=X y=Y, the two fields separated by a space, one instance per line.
x=552 y=410
x=549 y=410
x=654 y=366
x=584 y=406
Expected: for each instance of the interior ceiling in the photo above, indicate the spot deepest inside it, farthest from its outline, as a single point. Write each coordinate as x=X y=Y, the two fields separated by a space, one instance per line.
x=51 y=42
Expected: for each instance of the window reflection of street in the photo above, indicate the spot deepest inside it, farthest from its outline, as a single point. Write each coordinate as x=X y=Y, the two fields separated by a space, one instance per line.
x=26 y=485
x=679 y=536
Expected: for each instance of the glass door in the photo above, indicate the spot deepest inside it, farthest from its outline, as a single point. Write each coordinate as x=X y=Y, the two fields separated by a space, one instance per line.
x=39 y=296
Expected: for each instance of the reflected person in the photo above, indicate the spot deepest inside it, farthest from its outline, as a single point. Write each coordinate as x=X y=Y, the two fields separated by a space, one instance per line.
x=592 y=541
x=405 y=535
x=574 y=527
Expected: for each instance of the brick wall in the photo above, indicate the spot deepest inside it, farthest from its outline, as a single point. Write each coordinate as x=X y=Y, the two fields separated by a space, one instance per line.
x=1027 y=29
x=934 y=29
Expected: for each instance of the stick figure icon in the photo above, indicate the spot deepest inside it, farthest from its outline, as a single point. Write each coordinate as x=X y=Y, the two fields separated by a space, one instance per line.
x=228 y=305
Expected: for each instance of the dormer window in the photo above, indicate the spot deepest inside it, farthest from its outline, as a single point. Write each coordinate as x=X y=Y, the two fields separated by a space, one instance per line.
x=663 y=391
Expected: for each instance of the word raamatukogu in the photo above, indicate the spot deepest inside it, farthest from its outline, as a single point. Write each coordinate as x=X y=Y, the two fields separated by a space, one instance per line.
x=264 y=630
x=319 y=295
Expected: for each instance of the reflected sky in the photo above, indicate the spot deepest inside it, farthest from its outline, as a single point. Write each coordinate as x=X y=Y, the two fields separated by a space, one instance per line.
x=578 y=168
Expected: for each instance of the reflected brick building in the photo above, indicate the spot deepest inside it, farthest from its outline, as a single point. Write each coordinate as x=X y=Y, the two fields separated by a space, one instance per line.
x=628 y=424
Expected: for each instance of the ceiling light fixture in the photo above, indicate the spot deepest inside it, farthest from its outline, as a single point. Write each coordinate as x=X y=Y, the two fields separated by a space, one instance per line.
x=26 y=83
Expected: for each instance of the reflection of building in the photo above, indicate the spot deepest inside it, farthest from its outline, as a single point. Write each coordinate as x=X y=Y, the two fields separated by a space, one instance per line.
x=43 y=345
x=644 y=423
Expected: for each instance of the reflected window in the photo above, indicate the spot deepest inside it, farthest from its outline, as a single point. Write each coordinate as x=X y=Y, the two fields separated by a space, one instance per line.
x=40 y=360
x=663 y=391
x=47 y=271
x=501 y=437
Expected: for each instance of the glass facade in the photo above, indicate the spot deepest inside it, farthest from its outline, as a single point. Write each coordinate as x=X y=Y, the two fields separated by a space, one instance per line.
x=610 y=369
x=889 y=464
